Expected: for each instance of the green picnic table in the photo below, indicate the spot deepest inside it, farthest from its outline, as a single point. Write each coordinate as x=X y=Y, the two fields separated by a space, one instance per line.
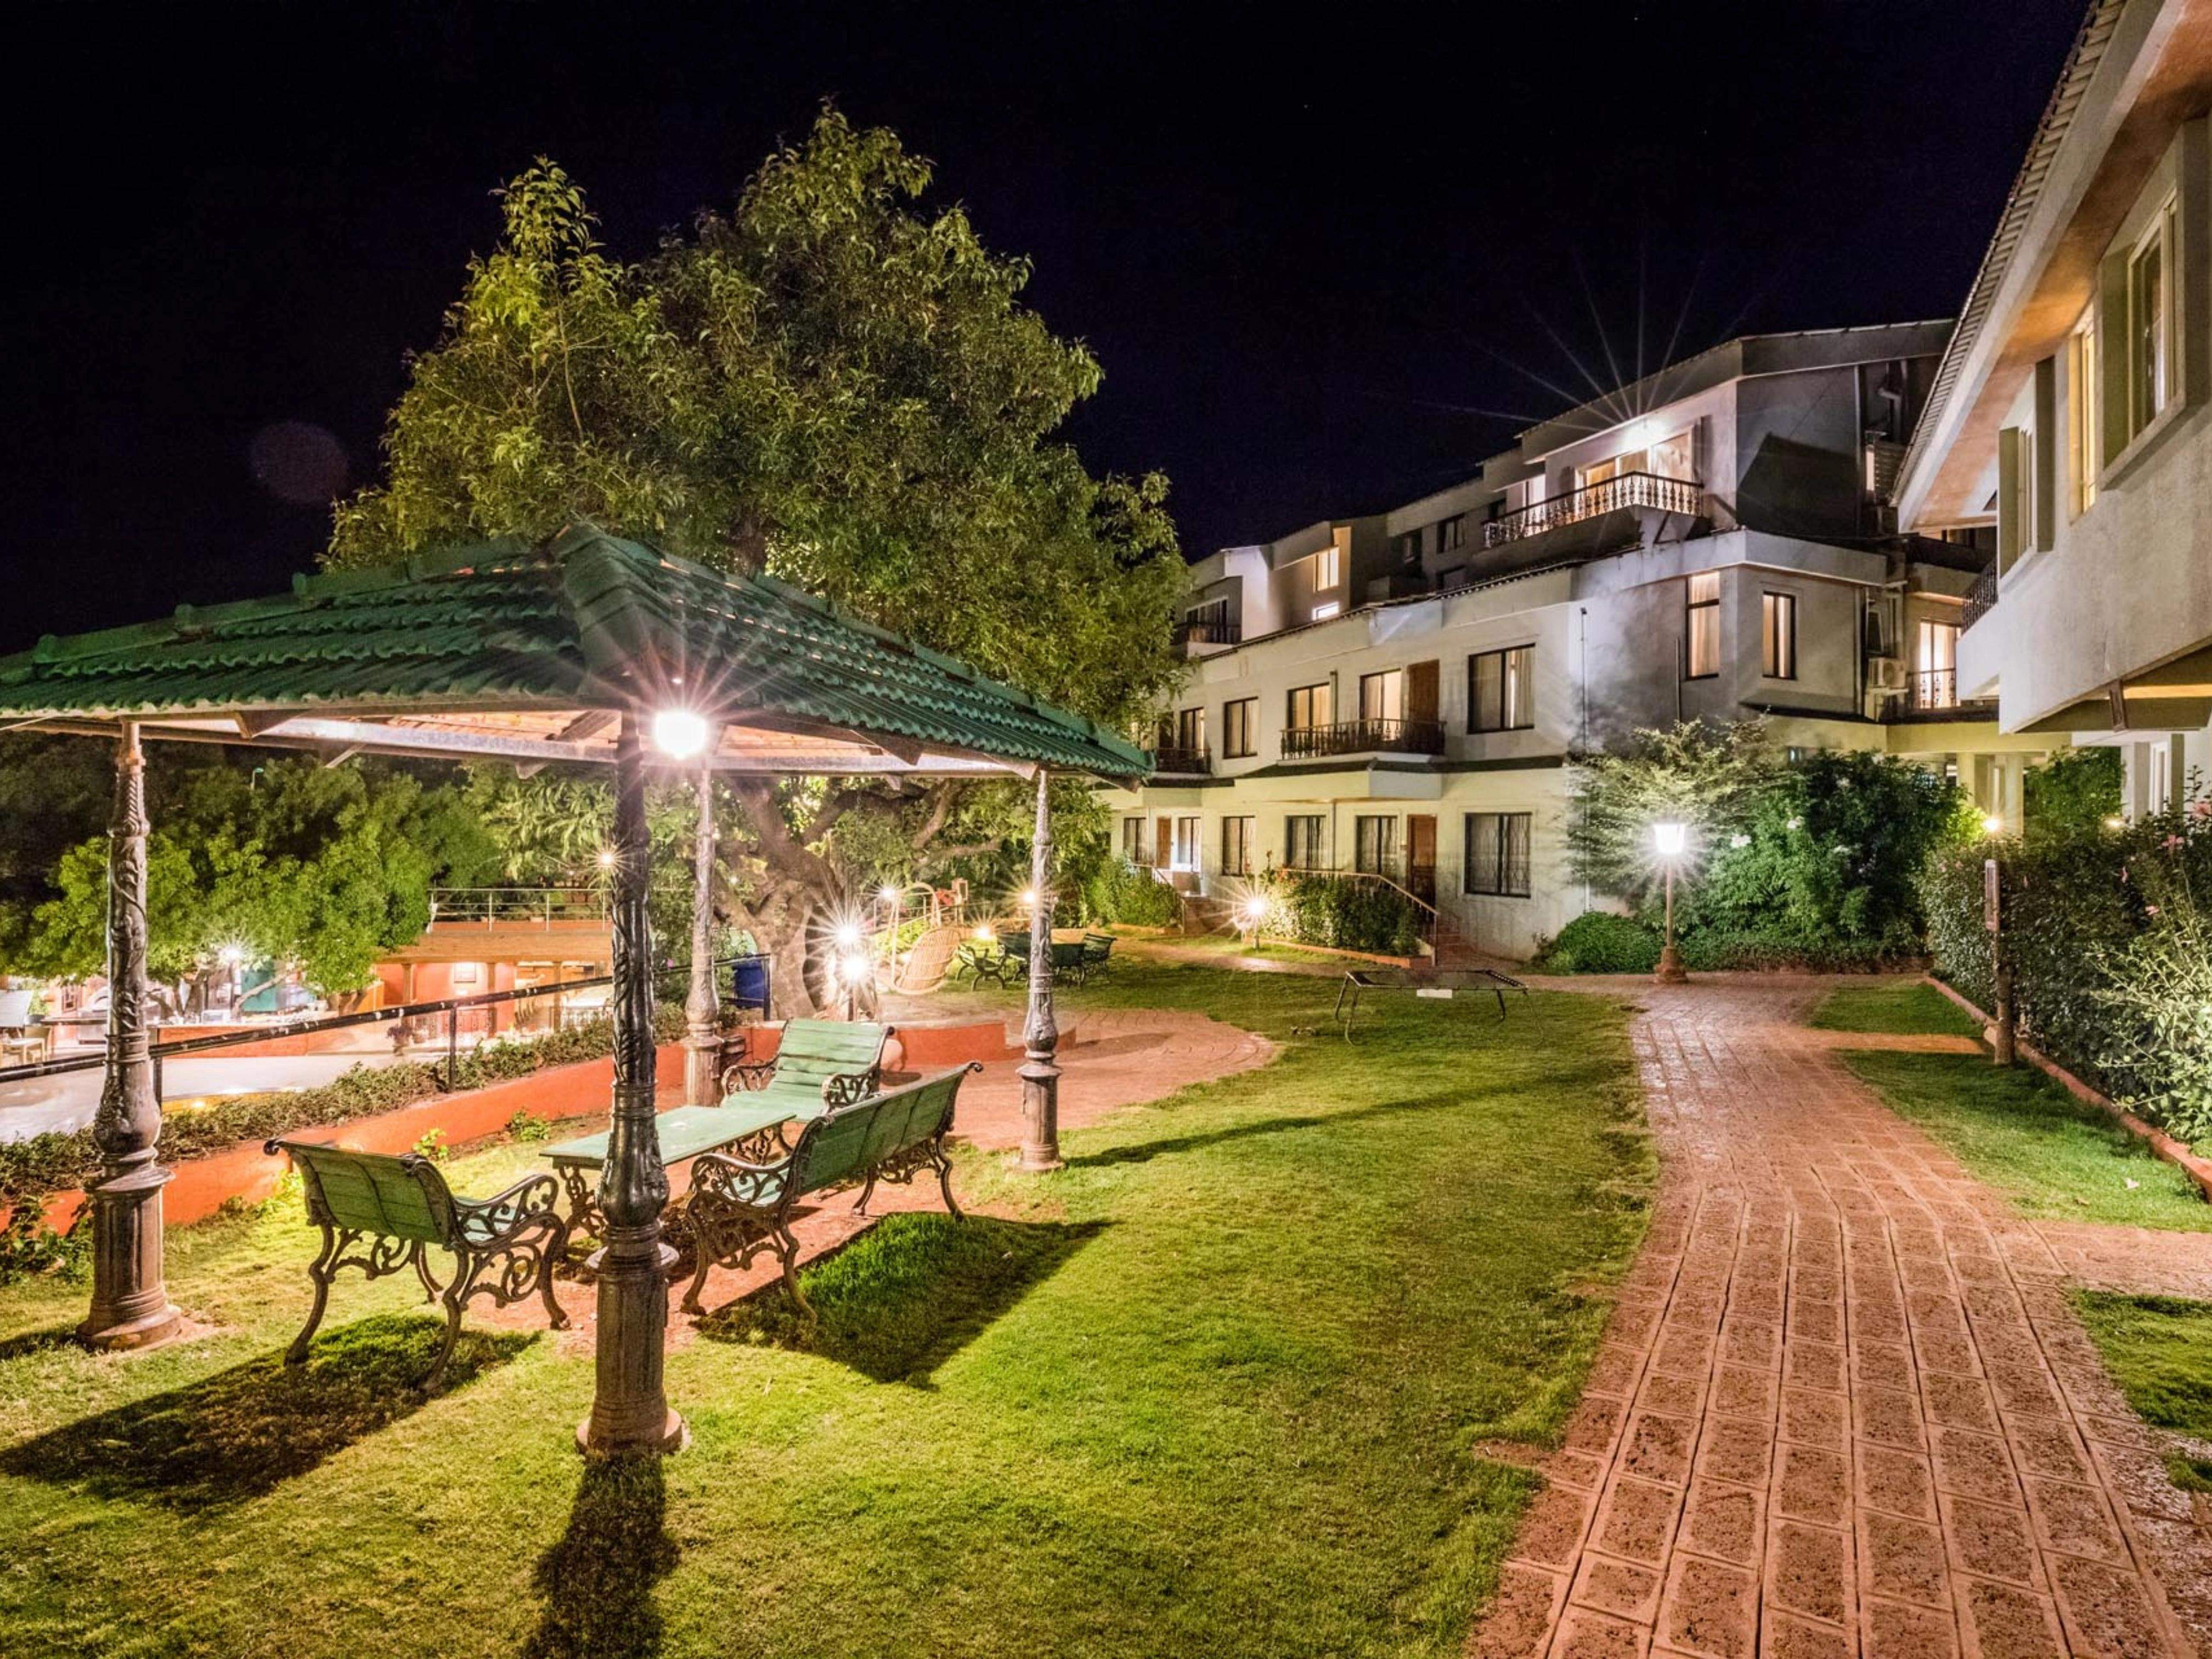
x=684 y=1133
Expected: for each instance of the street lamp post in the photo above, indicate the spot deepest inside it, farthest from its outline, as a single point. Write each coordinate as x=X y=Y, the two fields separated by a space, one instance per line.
x=1668 y=839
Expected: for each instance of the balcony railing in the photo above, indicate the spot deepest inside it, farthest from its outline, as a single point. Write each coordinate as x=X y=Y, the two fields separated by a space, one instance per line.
x=1932 y=694
x=1629 y=490
x=1209 y=630
x=1362 y=737
x=1980 y=597
x=485 y=905
x=1182 y=761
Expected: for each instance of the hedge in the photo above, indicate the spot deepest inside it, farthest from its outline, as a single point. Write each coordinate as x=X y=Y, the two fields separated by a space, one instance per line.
x=1344 y=913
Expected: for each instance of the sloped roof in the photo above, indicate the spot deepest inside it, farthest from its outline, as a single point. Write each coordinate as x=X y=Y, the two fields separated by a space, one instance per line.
x=523 y=651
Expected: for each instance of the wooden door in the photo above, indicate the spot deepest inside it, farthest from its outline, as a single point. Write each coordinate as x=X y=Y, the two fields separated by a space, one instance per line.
x=1421 y=703
x=1163 y=843
x=1421 y=856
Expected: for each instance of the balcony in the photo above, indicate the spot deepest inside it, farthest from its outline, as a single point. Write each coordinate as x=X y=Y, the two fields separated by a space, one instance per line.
x=1630 y=490
x=1981 y=598
x=1932 y=694
x=1172 y=761
x=1363 y=737
x=1194 y=631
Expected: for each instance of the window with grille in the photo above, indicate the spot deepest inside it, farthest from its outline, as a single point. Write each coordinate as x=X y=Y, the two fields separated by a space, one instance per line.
x=1501 y=689
x=1497 y=854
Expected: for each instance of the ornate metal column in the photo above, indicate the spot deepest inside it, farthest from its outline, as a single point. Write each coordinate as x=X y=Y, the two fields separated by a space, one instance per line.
x=702 y=1039
x=1040 y=1036
x=131 y=1305
x=629 y=1409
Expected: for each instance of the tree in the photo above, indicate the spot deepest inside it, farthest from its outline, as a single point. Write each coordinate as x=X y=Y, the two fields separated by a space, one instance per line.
x=290 y=860
x=1707 y=775
x=2072 y=793
x=826 y=382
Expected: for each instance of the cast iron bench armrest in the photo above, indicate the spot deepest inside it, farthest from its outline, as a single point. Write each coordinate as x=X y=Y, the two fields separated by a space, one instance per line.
x=489 y=1220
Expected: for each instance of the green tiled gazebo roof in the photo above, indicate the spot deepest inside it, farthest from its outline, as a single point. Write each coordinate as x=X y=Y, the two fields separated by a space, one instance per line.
x=522 y=653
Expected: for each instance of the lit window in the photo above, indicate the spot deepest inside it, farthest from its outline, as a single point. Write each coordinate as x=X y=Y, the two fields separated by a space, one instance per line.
x=1375 y=845
x=1701 y=656
x=1240 y=729
x=1133 y=840
x=2149 y=326
x=1501 y=689
x=1382 y=696
x=1935 y=666
x=1310 y=706
x=1778 y=632
x=2084 y=445
x=1237 y=847
x=1186 y=843
x=1302 y=843
x=1323 y=612
x=1327 y=569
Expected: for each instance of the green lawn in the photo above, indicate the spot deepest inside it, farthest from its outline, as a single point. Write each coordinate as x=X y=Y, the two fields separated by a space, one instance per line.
x=1215 y=1390
x=2158 y=1350
x=1898 y=1006
x=2023 y=1134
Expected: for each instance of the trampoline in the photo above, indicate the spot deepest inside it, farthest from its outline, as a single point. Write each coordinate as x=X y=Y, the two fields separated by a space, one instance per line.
x=1440 y=984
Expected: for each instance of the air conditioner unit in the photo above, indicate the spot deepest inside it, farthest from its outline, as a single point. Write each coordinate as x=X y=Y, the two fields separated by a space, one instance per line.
x=1886 y=673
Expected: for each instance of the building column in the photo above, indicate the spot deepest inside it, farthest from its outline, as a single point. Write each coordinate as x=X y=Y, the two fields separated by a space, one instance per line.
x=630 y=1412
x=1040 y=1033
x=702 y=1037
x=130 y=1306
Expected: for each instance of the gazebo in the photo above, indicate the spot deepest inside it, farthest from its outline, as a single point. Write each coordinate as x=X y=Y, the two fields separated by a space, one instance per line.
x=588 y=648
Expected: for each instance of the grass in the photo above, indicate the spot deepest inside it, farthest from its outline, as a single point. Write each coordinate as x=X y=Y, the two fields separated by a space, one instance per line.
x=1905 y=1007
x=1217 y=1388
x=2023 y=1134
x=2158 y=1350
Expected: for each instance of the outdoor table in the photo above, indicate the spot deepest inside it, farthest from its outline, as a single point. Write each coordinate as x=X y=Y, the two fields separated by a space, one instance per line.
x=1441 y=983
x=684 y=1134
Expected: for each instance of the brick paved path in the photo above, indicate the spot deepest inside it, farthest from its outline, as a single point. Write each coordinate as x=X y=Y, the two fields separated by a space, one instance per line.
x=1844 y=1407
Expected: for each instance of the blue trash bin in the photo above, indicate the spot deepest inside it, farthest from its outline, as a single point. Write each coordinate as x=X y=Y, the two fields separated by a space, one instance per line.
x=749 y=983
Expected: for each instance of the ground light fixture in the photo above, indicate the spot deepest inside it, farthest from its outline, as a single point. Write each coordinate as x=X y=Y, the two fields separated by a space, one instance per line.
x=1992 y=824
x=679 y=733
x=1252 y=911
x=1668 y=839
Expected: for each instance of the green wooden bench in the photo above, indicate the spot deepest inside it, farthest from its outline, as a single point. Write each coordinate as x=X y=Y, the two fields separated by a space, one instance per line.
x=738 y=1208
x=1097 y=953
x=503 y=1247
x=819 y=1064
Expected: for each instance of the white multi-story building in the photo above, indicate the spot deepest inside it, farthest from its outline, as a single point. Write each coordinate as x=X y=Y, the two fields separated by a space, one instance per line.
x=2071 y=418
x=1400 y=693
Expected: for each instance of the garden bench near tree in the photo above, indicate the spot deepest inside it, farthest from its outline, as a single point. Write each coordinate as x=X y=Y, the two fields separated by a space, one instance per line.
x=394 y=1206
x=819 y=1064
x=739 y=1208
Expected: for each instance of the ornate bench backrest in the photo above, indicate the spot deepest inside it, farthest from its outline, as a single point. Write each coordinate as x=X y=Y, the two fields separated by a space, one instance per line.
x=400 y=1196
x=849 y=1140
x=820 y=1056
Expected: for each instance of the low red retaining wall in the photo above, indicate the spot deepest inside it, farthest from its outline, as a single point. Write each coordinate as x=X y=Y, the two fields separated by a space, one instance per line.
x=204 y=1185
x=921 y=1048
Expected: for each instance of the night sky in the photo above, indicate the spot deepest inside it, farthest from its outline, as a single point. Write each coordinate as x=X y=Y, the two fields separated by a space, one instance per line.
x=1325 y=269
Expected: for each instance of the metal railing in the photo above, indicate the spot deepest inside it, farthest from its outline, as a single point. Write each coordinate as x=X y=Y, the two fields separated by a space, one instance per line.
x=1981 y=598
x=1629 y=490
x=1188 y=763
x=1209 y=630
x=1933 y=694
x=450 y=906
x=1358 y=737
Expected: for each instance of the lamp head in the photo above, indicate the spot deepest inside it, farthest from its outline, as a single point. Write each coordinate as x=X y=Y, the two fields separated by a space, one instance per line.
x=853 y=967
x=888 y=894
x=1992 y=824
x=1029 y=898
x=1668 y=839
x=679 y=733
x=848 y=935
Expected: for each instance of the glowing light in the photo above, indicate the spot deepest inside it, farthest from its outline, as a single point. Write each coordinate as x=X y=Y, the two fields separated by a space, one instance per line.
x=984 y=935
x=679 y=732
x=232 y=955
x=1029 y=898
x=853 y=967
x=2116 y=822
x=848 y=935
x=1991 y=823
x=606 y=857
x=888 y=894
x=1669 y=839
x=1256 y=908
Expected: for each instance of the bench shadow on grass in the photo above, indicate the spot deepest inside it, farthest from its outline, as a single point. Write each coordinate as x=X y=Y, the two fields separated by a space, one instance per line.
x=242 y=1432
x=906 y=1295
x=597 y=1579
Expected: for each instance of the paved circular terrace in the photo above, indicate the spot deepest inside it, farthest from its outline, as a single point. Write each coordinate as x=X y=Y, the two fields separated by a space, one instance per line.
x=1843 y=1406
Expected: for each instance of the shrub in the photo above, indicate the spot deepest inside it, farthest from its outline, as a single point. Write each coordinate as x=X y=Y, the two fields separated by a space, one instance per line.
x=2071 y=794
x=1345 y=913
x=1119 y=892
x=1599 y=942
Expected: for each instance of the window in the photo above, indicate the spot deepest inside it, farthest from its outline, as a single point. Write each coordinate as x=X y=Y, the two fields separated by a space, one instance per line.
x=2150 y=331
x=1497 y=854
x=1190 y=731
x=1323 y=612
x=1208 y=624
x=1186 y=843
x=1501 y=689
x=1240 y=729
x=1382 y=696
x=1451 y=533
x=1237 y=847
x=1327 y=569
x=2084 y=450
x=1133 y=840
x=2016 y=494
x=1935 y=666
x=1310 y=706
x=1670 y=457
x=1777 y=635
x=1701 y=629
x=1375 y=845
x=1302 y=843
x=1409 y=549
